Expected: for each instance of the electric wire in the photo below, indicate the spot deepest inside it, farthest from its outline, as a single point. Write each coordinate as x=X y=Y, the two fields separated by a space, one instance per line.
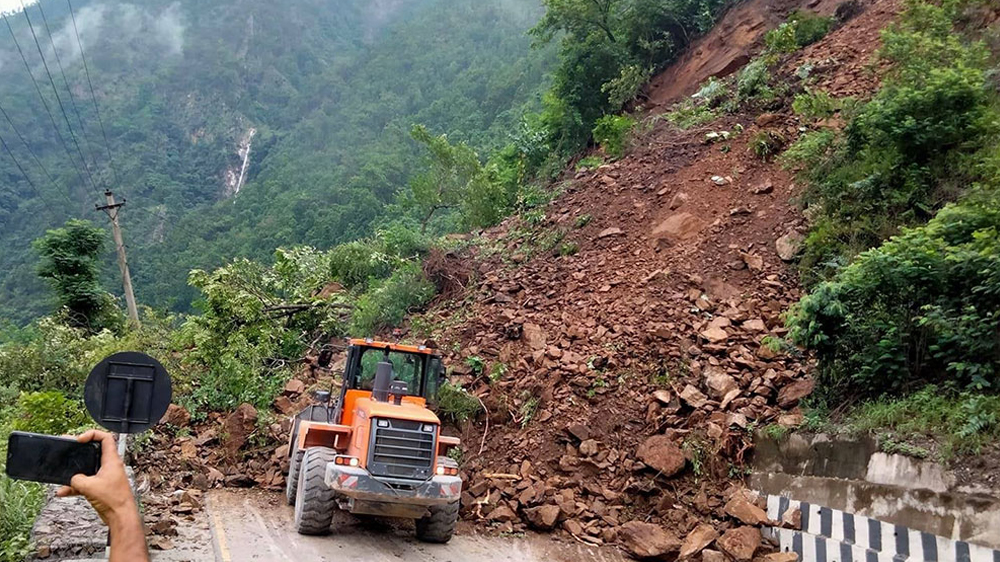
x=45 y=103
x=69 y=90
x=55 y=91
x=93 y=96
x=34 y=188
x=34 y=156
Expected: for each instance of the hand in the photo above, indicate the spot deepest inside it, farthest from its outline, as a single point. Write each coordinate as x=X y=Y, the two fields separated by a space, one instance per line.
x=108 y=491
x=110 y=494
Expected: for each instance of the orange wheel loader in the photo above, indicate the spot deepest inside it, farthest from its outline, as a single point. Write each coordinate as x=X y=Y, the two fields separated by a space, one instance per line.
x=377 y=449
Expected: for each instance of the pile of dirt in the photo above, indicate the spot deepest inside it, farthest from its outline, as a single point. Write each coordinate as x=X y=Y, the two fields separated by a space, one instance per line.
x=632 y=338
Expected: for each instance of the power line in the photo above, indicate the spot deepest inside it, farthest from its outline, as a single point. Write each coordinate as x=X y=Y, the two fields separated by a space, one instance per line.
x=34 y=156
x=55 y=91
x=93 y=96
x=69 y=90
x=45 y=104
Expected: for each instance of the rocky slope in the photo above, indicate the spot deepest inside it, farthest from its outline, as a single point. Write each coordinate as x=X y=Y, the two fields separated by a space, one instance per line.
x=627 y=331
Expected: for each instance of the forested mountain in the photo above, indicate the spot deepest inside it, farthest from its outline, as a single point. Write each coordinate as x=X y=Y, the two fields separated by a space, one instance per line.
x=324 y=93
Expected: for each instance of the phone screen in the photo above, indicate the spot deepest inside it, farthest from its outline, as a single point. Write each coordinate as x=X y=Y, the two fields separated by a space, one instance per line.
x=50 y=459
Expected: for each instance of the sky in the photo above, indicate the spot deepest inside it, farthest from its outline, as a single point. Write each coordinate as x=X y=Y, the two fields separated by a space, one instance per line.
x=10 y=5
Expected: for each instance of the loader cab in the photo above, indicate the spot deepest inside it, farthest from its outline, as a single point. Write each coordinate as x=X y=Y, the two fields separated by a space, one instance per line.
x=416 y=374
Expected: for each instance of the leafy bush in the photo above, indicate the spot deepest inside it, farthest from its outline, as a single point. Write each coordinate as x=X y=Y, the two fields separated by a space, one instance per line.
x=357 y=263
x=386 y=304
x=766 y=144
x=924 y=306
x=688 y=114
x=589 y=162
x=624 y=88
x=810 y=27
x=781 y=39
x=48 y=412
x=455 y=404
x=20 y=503
x=613 y=133
x=712 y=92
x=815 y=105
x=752 y=81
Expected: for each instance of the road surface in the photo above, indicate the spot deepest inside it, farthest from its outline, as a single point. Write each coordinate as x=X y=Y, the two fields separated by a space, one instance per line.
x=251 y=526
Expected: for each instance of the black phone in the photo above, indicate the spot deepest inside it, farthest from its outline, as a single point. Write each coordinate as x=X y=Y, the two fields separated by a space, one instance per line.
x=50 y=459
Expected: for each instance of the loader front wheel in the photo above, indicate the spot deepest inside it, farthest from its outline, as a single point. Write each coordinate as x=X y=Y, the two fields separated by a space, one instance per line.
x=292 y=482
x=314 y=501
x=439 y=524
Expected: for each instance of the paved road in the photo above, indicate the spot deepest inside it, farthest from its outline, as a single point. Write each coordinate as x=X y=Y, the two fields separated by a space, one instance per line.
x=256 y=526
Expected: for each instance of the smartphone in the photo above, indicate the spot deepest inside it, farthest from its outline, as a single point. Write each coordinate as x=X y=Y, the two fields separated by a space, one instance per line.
x=50 y=459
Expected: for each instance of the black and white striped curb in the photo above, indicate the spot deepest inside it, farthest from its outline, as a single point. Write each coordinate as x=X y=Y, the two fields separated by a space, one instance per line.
x=874 y=540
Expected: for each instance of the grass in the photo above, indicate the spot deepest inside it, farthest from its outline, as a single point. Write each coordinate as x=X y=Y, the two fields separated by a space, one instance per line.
x=20 y=503
x=589 y=163
x=688 y=114
x=457 y=404
x=959 y=423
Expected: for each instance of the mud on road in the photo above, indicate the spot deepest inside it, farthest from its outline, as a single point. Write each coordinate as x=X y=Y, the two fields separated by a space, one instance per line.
x=257 y=526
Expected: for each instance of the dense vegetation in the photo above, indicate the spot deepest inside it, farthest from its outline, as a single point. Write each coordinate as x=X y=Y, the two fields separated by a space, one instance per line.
x=917 y=165
x=332 y=90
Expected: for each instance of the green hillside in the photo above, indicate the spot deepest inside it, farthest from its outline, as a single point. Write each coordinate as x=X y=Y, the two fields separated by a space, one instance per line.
x=331 y=89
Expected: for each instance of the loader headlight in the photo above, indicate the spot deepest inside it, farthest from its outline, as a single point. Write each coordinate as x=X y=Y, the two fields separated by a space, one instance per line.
x=428 y=428
x=446 y=471
x=346 y=461
x=383 y=423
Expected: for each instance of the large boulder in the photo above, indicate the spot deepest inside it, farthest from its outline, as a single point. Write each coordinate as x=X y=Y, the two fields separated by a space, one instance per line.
x=678 y=228
x=238 y=427
x=790 y=394
x=647 y=541
x=719 y=383
x=698 y=539
x=176 y=416
x=789 y=245
x=543 y=517
x=661 y=454
x=741 y=508
x=740 y=543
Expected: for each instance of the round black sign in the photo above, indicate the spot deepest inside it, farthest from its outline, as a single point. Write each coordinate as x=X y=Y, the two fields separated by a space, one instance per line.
x=128 y=392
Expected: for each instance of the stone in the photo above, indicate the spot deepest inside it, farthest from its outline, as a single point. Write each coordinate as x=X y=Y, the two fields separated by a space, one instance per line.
x=662 y=396
x=579 y=431
x=719 y=383
x=502 y=514
x=573 y=527
x=611 y=231
x=661 y=454
x=789 y=245
x=678 y=200
x=588 y=448
x=176 y=416
x=740 y=508
x=740 y=543
x=753 y=261
x=295 y=386
x=534 y=336
x=678 y=228
x=188 y=450
x=284 y=405
x=790 y=394
x=646 y=540
x=763 y=189
x=715 y=335
x=698 y=539
x=792 y=519
x=544 y=517
x=755 y=325
x=238 y=427
x=781 y=557
x=713 y=556
x=693 y=397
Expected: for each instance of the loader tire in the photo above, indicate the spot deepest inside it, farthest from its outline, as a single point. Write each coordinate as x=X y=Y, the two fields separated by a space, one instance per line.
x=292 y=482
x=314 y=502
x=439 y=524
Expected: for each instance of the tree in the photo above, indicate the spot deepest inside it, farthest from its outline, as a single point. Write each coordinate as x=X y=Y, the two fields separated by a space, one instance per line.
x=450 y=170
x=70 y=264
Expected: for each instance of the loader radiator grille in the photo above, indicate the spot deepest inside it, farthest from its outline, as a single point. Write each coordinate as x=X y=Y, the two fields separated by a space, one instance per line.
x=401 y=449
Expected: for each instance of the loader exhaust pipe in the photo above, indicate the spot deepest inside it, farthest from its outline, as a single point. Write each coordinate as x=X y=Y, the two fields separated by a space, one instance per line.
x=383 y=379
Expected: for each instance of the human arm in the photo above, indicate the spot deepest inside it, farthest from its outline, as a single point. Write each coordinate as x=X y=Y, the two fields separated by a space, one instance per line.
x=111 y=496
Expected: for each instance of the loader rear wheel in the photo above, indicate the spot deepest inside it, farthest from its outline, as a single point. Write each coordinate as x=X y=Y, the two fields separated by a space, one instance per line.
x=438 y=525
x=315 y=503
x=292 y=482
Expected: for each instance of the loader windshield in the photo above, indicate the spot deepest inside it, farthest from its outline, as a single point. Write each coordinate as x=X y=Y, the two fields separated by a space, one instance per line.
x=406 y=367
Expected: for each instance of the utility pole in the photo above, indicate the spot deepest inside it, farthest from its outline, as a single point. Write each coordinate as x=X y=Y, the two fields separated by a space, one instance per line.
x=111 y=209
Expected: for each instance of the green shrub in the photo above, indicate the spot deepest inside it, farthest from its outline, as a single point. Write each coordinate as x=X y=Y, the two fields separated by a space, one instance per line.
x=815 y=105
x=20 y=503
x=711 y=93
x=589 y=162
x=766 y=144
x=688 y=114
x=810 y=27
x=387 y=304
x=457 y=405
x=753 y=81
x=613 y=133
x=923 y=307
x=48 y=412
x=357 y=263
x=568 y=248
x=624 y=88
x=781 y=39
